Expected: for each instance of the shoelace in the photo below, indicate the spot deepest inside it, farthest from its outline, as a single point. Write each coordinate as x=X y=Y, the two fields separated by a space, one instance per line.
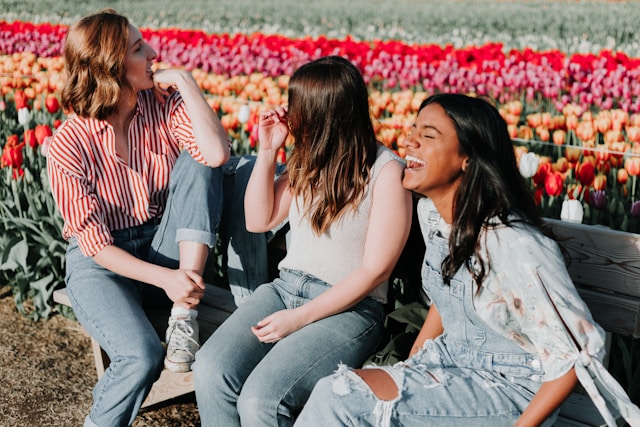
x=183 y=330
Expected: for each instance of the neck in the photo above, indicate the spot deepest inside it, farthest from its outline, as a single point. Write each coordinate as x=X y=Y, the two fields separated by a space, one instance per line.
x=126 y=111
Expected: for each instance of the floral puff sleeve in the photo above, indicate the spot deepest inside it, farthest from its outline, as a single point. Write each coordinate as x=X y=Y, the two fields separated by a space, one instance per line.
x=530 y=298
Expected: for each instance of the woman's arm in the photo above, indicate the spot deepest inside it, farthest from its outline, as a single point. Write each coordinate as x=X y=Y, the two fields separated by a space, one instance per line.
x=211 y=138
x=266 y=203
x=548 y=398
x=431 y=328
x=182 y=286
x=387 y=233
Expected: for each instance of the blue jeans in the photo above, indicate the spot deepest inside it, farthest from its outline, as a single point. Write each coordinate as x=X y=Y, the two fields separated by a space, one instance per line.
x=112 y=308
x=247 y=258
x=469 y=375
x=238 y=379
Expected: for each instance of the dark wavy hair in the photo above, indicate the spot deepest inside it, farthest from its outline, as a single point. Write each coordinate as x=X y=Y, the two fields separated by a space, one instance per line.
x=491 y=187
x=335 y=143
x=94 y=55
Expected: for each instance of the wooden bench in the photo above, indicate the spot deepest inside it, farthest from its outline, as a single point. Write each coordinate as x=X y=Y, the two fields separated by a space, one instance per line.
x=605 y=267
x=214 y=309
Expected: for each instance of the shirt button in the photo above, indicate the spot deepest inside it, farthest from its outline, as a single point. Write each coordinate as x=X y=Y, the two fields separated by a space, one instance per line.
x=535 y=378
x=535 y=364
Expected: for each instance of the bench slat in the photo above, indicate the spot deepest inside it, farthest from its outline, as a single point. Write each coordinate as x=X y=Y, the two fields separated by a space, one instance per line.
x=601 y=257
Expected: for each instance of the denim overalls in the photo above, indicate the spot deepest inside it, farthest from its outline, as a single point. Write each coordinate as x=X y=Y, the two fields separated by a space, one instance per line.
x=470 y=375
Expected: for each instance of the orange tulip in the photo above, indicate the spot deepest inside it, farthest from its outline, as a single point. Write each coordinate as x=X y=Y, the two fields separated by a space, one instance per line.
x=632 y=165
x=573 y=154
x=622 y=176
x=559 y=137
x=571 y=122
x=600 y=182
x=543 y=133
x=534 y=120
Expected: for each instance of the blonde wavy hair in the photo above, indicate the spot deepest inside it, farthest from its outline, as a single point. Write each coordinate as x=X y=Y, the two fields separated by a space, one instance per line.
x=94 y=58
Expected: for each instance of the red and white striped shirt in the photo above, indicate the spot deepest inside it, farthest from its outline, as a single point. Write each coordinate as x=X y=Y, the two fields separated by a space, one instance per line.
x=96 y=191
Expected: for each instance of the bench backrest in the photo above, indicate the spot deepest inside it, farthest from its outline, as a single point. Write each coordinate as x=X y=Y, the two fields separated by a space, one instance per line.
x=605 y=267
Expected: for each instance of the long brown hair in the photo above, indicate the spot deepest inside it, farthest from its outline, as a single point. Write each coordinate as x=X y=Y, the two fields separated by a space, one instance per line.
x=94 y=55
x=335 y=143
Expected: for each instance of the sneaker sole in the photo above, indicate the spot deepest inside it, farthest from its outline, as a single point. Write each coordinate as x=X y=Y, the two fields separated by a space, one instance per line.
x=177 y=367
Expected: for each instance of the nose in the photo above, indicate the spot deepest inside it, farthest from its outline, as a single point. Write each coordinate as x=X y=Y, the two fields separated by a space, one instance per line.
x=152 y=54
x=410 y=141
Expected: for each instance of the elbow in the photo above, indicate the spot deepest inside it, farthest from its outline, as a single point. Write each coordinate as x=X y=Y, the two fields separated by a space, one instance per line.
x=219 y=159
x=255 y=226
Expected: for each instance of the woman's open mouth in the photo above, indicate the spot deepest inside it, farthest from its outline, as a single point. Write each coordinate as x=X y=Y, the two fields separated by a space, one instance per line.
x=414 y=162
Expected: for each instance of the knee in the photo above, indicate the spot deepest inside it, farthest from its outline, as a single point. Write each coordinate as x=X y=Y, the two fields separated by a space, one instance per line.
x=145 y=363
x=207 y=372
x=247 y=404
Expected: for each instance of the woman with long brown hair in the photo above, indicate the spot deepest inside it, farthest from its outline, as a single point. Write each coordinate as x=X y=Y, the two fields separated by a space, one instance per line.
x=349 y=218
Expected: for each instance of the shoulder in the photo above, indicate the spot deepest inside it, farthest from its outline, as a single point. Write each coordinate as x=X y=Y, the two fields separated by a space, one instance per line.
x=520 y=243
x=385 y=155
x=72 y=134
x=387 y=164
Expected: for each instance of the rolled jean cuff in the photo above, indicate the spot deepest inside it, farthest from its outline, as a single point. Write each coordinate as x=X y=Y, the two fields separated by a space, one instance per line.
x=198 y=236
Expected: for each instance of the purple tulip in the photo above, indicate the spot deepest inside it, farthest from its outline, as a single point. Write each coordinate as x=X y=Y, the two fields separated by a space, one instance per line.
x=598 y=199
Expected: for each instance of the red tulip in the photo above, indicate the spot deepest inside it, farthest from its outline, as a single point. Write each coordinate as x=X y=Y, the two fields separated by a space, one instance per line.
x=585 y=172
x=30 y=138
x=20 y=99
x=554 y=184
x=12 y=153
x=52 y=104
x=41 y=132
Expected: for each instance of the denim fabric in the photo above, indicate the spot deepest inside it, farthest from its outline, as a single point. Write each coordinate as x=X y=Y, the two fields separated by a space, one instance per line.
x=111 y=307
x=238 y=379
x=470 y=375
x=247 y=259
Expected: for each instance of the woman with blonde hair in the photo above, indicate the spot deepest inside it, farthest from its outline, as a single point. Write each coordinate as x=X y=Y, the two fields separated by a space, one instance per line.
x=134 y=173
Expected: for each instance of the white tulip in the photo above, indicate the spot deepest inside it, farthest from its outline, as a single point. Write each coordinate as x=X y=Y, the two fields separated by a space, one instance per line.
x=23 y=116
x=243 y=114
x=572 y=211
x=528 y=164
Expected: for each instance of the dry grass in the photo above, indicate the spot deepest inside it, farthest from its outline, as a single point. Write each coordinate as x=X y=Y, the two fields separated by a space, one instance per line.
x=47 y=374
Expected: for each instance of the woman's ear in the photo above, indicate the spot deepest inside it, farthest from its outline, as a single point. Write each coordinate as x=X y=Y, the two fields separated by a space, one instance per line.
x=465 y=162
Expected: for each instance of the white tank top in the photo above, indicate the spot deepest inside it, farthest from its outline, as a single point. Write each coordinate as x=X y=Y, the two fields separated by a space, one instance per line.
x=337 y=252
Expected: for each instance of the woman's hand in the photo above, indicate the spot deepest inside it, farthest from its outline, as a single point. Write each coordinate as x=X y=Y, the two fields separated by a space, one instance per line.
x=185 y=287
x=273 y=129
x=278 y=325
x=165 y=81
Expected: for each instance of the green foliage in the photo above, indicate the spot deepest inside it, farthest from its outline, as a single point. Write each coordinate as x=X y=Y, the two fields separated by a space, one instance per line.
x=31 y=247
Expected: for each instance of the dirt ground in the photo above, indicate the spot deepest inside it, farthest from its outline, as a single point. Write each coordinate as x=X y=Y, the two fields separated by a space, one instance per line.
x=47 y=374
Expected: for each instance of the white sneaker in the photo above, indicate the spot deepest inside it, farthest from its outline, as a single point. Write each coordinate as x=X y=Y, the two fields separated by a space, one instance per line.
x=182 y=343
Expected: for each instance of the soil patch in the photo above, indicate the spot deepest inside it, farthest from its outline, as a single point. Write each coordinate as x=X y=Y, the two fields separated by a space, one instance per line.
x=47 y=374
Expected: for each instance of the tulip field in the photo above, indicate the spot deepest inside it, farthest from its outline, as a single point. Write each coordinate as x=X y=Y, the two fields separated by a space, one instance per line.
x=569 y=92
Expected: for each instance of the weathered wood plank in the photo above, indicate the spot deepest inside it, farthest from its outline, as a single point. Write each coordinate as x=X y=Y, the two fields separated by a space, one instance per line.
x=601 y=258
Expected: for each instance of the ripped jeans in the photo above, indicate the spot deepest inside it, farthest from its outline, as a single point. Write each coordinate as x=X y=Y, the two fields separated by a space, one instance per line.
x=432 y=392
